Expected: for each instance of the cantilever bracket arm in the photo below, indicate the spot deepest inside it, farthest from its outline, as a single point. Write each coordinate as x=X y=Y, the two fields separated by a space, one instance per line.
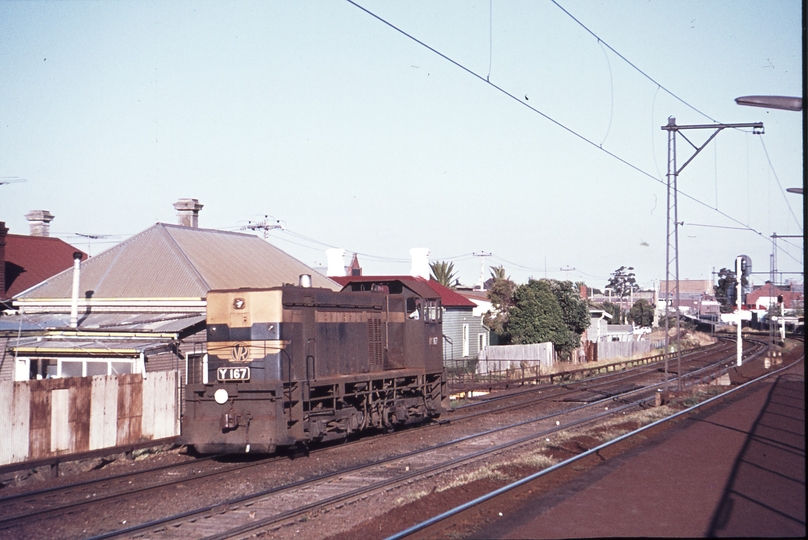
x=757 y=129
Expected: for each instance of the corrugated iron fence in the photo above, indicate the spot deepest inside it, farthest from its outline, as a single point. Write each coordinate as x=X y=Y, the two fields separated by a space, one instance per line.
x=46 y=418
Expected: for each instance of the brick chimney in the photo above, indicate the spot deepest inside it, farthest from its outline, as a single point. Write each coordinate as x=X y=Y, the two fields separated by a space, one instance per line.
x=420 y=262
x=3 y=232
x=39 y=221
x=188 y=212
x=336 y=262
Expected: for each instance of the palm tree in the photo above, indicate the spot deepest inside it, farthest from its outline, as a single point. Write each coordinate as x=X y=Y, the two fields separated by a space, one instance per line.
x=443 y=272
x=498 y=272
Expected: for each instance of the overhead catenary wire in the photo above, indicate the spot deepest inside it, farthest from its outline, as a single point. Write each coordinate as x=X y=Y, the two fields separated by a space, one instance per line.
x=783 y=191
x=558 y=123
x=627 y=61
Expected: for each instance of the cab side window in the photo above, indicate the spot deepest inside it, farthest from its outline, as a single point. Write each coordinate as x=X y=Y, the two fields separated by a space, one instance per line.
x=414 y=309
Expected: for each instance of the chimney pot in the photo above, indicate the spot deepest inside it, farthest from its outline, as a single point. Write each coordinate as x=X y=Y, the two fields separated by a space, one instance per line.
x=188 y=212
x=39 y=221
x=420 y=262
x=336 y=262
x=3 y=232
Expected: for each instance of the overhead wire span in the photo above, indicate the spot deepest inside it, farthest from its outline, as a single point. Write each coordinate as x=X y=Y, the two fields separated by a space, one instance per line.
x=627 y=61
x=783 y=191
x=556 y=122
x=318 y=242
x=611 y=94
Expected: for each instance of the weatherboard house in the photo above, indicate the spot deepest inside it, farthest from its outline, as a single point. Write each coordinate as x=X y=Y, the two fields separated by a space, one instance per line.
x=141 y=304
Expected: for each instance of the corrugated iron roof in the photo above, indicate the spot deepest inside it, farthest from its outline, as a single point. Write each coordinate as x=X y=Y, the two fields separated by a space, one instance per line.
x=90 y=347
x=165 y=323
x=170 y=261
x=32 y=259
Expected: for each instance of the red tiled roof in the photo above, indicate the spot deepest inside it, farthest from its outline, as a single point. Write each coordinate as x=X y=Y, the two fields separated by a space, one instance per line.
x=33 y=259
x=448 y=297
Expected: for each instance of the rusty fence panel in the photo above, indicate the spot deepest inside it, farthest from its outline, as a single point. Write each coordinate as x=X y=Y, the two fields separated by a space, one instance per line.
x=51 y=417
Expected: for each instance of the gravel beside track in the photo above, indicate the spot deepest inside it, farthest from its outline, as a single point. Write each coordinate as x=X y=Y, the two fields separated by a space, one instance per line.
x=734 y=469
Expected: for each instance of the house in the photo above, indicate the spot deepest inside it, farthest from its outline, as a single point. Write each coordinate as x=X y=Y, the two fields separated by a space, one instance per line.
x=598 y=325
x=28 y=260
x=768 y=295
x=141 y=304
x=463 y=333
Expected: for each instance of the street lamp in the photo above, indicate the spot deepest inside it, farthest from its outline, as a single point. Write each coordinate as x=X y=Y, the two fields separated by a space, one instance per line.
x=785 y=103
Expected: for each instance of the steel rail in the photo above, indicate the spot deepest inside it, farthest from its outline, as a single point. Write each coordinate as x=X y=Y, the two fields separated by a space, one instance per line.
x=463 y=507
x=624 y=376
x=644 y=368
x=233 y=504
x=7 y=521
x=641 y=397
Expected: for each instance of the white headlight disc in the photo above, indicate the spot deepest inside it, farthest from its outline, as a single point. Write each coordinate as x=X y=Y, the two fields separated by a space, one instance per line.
x=221 y=396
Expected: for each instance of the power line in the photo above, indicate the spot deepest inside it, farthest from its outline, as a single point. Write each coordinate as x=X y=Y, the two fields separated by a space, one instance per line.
x=627 y=61
x=556 y=122
x=779 y=184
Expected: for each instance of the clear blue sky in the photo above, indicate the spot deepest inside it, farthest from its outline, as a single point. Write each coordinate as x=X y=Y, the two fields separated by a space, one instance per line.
x=355 y=136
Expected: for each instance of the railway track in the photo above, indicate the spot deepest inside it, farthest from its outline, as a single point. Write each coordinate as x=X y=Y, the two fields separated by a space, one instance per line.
x=704 y=364
x=337 y=488
x=273 y=509
x=55 y=501
x=448 y=523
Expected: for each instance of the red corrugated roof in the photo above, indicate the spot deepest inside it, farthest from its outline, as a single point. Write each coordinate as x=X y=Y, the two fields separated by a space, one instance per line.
x=33 y=259
x=448 y=297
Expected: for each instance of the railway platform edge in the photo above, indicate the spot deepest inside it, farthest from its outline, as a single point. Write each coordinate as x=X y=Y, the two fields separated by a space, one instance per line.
x=733 y=470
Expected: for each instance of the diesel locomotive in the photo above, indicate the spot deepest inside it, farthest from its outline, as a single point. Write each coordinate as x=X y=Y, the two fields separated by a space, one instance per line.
x=293 y=365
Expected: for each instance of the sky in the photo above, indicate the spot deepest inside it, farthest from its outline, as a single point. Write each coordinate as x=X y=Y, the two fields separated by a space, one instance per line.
x=513 y=133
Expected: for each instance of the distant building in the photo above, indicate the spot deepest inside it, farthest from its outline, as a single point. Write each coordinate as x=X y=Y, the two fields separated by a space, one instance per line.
x=600 y=330
x=767 y=295
x=354 y=269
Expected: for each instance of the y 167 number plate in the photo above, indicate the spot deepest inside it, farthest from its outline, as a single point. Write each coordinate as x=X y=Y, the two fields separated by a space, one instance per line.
x=233 y=374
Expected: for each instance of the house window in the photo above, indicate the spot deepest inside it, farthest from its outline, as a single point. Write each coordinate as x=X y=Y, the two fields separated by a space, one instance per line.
x=197 y=364
x=41 y=368
x=71 y=368
x=54 y=368
x=465 y=340
x=482 y=341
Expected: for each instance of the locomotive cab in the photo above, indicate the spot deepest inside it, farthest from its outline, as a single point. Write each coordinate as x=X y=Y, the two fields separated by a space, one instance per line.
x=290 y=365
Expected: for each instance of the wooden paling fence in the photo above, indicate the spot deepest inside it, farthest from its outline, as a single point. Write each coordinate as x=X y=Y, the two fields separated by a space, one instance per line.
x=51 y=417
x=518 y=365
